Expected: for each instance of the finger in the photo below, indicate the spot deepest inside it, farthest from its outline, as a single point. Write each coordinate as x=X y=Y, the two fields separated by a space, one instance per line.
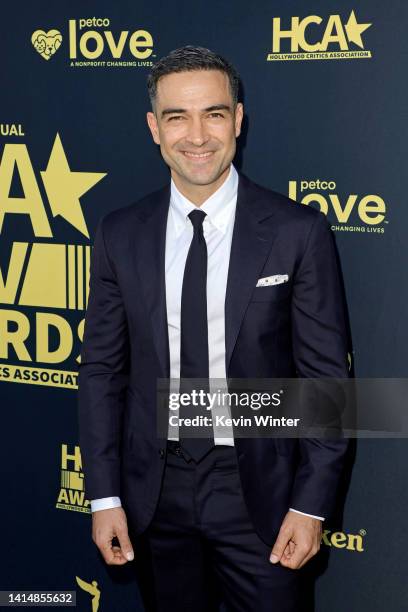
x=289 y=550
x=119 y=558
x=125 y=544
x=280 y=545
x=108 y=553
x=298 y=557
x=313 y=552
x=286 y=552
x=305 y=560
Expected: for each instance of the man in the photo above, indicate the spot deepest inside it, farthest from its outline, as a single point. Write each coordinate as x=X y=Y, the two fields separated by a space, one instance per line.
x=175 y=293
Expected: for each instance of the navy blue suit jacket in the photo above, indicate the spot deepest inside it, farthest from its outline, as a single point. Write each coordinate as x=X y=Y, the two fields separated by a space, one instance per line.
x=294 y=329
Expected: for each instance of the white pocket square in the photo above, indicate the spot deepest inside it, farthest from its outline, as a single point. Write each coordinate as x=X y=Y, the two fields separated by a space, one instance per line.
x=276 y=279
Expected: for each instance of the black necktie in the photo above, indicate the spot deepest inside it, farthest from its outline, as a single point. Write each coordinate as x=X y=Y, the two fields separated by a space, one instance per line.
x=194 y=361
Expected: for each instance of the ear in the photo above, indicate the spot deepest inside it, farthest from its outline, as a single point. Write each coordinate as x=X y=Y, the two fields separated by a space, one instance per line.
x=153 y=127
x=239 y=115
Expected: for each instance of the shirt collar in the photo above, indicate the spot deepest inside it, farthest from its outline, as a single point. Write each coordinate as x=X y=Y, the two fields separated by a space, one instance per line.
x=219 y=206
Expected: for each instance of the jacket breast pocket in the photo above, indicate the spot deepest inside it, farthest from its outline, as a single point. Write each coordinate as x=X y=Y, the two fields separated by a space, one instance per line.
x=272 y=293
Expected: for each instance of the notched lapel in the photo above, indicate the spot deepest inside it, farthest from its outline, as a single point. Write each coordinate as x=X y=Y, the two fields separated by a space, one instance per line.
x=252 y=241
x=150 y=260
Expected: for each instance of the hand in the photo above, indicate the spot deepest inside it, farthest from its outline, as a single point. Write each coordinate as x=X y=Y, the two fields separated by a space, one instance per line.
x=298 y=540
x=106 y=524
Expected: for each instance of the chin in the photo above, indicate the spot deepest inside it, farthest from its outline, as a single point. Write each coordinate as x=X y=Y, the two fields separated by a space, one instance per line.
x=199 y=177
x=205 y=177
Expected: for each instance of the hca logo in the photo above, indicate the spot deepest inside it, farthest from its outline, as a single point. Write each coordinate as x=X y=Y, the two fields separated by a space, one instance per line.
x=316 y=38
x=90 y=39
x=71 y=495
x=44 y=282
x=27 y=262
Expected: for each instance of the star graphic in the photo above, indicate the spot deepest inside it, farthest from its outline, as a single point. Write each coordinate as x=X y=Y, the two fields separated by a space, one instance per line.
x=64 y=187
x=354 y=30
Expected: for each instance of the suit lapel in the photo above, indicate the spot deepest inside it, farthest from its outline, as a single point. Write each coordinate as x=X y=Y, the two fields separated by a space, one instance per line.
x=150 y=259
x=252 y=241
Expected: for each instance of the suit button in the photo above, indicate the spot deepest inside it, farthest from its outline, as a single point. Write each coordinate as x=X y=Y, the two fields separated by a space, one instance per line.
x=162 y=453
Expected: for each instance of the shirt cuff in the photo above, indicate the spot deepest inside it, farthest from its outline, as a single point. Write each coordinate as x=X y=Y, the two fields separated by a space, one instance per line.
x=105 y=503
x=306 y=514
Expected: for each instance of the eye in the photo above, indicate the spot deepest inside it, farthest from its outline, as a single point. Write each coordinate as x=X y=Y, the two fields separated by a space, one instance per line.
x=175 y=118
x=216 y=115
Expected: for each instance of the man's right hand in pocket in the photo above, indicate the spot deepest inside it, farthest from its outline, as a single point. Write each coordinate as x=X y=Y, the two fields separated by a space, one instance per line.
x=106 y=525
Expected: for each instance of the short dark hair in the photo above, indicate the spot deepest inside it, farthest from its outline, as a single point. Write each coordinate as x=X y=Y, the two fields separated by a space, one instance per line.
x=189 y=58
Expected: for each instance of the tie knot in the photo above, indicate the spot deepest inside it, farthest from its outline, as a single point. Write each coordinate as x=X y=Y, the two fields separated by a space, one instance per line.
x=197 y=217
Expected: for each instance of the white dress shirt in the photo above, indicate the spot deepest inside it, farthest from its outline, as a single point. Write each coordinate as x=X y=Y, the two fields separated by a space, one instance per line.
x=218 y=227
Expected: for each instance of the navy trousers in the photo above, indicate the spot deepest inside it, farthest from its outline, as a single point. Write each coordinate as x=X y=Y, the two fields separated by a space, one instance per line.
x=202 y=545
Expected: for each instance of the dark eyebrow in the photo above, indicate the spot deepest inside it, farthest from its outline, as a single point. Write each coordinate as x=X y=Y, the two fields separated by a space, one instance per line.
x=209 y=109
x=217 y=107
x=173 y=111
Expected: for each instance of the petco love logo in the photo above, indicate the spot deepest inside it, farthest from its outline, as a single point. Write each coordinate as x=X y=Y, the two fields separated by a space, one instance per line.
x=348 y=212
x=46 y=43
x=93 y=43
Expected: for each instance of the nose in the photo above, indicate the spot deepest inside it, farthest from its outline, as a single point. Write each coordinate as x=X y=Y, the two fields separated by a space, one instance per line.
x=197 y=133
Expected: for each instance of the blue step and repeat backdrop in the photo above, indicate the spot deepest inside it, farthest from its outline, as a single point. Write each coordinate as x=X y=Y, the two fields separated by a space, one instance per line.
x=325 y=94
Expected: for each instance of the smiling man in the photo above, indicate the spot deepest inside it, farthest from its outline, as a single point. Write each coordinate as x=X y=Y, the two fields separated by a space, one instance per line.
x=181 y=288
x=198 y=139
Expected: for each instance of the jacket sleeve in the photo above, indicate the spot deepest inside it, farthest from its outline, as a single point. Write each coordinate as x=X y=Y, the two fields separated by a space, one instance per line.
x=319 y=337
x=103 y=376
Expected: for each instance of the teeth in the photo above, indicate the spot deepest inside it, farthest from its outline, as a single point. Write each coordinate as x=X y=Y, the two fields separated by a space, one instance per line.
x=198 y=155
